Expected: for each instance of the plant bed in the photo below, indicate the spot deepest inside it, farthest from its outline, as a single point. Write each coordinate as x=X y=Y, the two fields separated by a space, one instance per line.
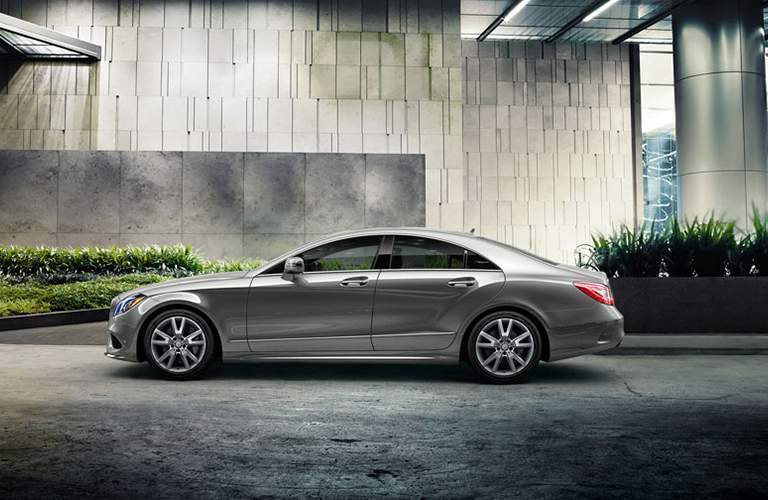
x=693 y=304
x=37 y=282
x=699 y=276
x=33 y=297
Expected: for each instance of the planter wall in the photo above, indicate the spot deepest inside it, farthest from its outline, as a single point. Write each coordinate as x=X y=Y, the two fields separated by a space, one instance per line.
x=53 y=319
x=693 y=305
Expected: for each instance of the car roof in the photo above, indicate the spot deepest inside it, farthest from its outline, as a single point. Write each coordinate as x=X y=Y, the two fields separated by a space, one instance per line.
x=400 y=230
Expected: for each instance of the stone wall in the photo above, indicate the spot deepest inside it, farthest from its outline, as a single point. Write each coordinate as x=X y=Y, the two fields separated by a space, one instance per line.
x=547 y=142
x=225 y=204
x=531 y=145
x=347 y=76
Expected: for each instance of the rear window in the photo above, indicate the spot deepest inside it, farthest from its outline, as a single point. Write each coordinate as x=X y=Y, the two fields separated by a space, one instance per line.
x=523 y=252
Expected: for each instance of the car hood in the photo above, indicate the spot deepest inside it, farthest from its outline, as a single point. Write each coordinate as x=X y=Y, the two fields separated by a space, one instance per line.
x=182 y=283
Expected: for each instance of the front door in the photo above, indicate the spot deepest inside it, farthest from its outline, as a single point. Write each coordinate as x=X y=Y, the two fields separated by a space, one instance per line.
x=326 y=309
x=427 y=292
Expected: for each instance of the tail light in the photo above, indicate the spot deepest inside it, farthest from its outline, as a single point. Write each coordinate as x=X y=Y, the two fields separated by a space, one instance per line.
x=599 y=292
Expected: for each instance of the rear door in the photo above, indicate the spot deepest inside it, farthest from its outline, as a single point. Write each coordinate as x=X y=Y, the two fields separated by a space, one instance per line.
x=427 y=291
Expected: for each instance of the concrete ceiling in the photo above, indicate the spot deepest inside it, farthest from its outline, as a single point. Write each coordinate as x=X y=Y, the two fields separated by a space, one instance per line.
x=541 y=19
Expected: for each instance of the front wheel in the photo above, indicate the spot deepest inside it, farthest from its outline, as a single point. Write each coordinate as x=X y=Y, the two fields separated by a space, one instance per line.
x=504 y=347
x=179 y=344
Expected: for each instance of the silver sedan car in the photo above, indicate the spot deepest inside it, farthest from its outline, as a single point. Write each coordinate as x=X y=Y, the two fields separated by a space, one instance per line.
x=399 y=294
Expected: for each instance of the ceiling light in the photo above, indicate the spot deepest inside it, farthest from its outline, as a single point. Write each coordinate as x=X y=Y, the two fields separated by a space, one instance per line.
x=599 y=10
x=509 y=37
x=515 y=10
x=506 y=15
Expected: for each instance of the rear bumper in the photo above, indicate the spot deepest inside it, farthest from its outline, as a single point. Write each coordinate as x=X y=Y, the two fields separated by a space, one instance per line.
x=588 y=339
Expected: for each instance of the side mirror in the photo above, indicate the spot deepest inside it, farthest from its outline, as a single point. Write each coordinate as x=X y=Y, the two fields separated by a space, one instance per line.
x=293 y=267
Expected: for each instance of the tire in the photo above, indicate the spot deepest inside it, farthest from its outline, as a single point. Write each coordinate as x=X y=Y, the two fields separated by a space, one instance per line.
x=185 y=346
x=521 y=350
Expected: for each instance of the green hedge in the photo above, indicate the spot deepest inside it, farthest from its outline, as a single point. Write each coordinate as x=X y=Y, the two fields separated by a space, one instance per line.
x=49 y=264
x=45 y=279
x=34 y=261
x=35 y=297
x=708 y=247
x=225 y=266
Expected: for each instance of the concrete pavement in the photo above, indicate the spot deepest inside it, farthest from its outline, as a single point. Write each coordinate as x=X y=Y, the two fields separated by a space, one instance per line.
x=73 y=423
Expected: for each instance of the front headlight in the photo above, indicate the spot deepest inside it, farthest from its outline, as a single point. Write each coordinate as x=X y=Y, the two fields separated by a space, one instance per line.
x=128 y=303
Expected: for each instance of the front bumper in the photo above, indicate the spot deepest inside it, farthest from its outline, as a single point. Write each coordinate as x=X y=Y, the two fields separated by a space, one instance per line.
x=121 y=358
x=123 y=332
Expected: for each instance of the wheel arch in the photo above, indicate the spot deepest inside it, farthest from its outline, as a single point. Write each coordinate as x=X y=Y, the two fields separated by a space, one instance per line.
x=516 y=308
x=168 y=306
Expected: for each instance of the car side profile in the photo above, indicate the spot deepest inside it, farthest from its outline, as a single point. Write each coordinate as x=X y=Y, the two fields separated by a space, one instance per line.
x=399 y=294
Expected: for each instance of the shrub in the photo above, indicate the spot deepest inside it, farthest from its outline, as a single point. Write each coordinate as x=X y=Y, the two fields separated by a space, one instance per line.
x=67 y=265
x=43 y=279
x=224 y=266
x=35 y=297
x=701 y=248
x=629 y=252
x=708 y=247
x=678 y=257
x=741 y=260
x=22 y=306
x=29 y=262
x=53 y=279
x=758 y=243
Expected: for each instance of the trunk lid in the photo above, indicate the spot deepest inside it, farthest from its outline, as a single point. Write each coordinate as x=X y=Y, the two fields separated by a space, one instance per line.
x=598 y=276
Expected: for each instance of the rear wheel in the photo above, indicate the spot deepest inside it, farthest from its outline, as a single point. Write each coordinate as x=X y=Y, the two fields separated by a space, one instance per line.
x=179 y=344
x=504 y=347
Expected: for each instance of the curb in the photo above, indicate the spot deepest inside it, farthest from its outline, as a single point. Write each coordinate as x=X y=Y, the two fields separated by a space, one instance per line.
x=53 y=319
x=671 y=345
x=681 y=351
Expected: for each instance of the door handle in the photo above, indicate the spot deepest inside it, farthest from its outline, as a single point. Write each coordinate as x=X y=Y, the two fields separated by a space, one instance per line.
x=357 y=281
x=463 y=282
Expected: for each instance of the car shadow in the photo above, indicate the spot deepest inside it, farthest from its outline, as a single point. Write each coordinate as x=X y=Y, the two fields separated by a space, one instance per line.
x=546 y=373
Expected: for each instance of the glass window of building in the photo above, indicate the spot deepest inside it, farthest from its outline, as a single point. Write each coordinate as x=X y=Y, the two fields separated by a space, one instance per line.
x=657 y=97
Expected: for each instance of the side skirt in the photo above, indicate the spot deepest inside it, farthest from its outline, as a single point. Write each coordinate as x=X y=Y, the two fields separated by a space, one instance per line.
x=336 y=357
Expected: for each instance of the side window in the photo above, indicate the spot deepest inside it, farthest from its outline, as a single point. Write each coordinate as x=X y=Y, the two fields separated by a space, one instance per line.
x=275 y=269
x=354 y=254
x=475 y=261
x=413 y=252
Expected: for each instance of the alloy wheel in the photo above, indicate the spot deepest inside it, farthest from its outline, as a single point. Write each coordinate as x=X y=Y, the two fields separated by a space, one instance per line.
x=504 y=346
x=178 y=344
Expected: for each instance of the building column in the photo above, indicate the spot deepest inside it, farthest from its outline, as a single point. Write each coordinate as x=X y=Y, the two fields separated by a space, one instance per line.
x=720 y=106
